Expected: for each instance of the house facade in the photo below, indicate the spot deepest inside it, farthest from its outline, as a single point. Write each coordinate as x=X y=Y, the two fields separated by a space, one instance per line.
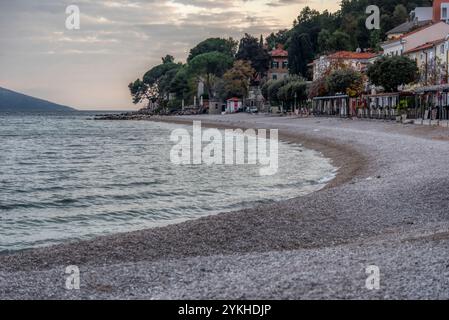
x=432 y=59
x=233 y=105
x=394 y=47
x=416 y=38
x=421 y=14
x=440 y=10
x=358 y=61
x=278 y=68
x=406 y=27
x=420 y=17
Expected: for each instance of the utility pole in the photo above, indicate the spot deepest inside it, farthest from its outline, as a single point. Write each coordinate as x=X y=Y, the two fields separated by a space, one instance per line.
x=296 y=96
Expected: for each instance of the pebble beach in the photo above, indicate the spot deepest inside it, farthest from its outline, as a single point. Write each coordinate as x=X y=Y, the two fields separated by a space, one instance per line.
x=388 y=207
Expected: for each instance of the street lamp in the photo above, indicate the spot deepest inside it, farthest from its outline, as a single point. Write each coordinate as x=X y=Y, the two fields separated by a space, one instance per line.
x=296 y=96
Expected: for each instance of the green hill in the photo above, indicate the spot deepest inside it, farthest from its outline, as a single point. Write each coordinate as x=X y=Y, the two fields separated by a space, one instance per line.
x=11 y=101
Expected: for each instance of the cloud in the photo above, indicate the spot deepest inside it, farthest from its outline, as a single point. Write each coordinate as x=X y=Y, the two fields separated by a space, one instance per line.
x=118 y=41
x=282 y=3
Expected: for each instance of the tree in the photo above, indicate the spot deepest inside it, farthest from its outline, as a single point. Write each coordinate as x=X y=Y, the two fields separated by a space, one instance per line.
x=154 y=74
x=280 y=37
x=182 y=84
x=207 y=67
x=141 y=92
x=164 y=83
x=225 y=46
x=306 y=15
x=293 y=91
x=155 y=84
x=159 y=77
x=168 y=59
x=251 y=50
x=323 y=41
x=319 y=88
x=270 y=90
x=340 y=40
x=345 y=81
x=286 y=91
x=337 y=41
x=391 y=72
x=375 y=40
x=310 y=22
x=237 y=79
x=400 y=14
x=299 y=54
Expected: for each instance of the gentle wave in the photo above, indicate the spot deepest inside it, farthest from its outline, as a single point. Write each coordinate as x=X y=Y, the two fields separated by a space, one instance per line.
x=71 y=178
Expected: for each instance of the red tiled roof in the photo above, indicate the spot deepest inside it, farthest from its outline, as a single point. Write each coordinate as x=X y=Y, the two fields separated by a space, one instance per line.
x=420 y=29
x=426 y=45
x=413 y=31
x=279 y=53
x=352 y=55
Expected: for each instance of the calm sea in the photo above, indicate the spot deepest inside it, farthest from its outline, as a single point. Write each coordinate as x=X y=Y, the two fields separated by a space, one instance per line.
x=65 y=177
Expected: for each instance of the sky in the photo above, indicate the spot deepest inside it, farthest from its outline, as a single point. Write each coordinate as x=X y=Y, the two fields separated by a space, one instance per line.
x=118 y=41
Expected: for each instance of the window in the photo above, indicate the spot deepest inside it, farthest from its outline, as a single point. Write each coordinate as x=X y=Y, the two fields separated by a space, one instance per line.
x=275 y=77
x=285 y=64
x=444 y=11
x=275 y=65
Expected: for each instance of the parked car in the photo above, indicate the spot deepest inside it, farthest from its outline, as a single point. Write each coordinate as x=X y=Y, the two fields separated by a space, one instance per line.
x=251 y=110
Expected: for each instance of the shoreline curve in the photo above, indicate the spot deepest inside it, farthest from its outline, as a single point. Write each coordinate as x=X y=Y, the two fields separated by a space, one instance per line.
x=384 y=207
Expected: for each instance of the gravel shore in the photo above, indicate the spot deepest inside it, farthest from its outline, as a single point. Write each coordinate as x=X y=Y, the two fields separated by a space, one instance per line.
x=388 y=206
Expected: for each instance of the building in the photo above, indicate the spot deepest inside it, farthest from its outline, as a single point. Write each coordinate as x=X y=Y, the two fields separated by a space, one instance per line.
x=415 y=38
x=233 y=105
x=255 y=99
x=215 y=107
x=440 y=10
x=407 y=27
x=421 y=14
x=419 y=17
x=426 y=24
x=278 y=64
x=393 y=47
x=432 y=59
x=358 y=61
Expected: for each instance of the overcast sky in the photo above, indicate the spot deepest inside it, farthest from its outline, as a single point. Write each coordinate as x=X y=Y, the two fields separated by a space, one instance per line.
x=118 y=41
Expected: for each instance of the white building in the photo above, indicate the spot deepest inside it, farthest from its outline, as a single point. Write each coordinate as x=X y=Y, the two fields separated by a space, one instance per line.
x=421 y=14
x=413 y=39
x=357 y=61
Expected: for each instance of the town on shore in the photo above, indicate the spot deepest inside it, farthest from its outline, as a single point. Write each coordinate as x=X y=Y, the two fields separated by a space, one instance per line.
x=327 y=64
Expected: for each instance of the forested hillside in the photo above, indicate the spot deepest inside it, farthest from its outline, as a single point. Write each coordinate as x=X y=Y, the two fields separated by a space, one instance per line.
x=314 y=32
x=11 y=101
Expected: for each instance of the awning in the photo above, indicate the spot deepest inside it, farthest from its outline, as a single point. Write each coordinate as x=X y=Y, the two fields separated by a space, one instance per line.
x=436 y=88
x=331 y=97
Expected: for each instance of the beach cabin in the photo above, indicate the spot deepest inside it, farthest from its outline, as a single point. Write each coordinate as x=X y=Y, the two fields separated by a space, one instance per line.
x=331 y=106
x=385 y=105
x=215 y=107
x=233 y=105
x=433 y=104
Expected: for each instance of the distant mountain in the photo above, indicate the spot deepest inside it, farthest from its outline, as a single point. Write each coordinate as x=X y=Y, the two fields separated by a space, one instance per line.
x=11 y=101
